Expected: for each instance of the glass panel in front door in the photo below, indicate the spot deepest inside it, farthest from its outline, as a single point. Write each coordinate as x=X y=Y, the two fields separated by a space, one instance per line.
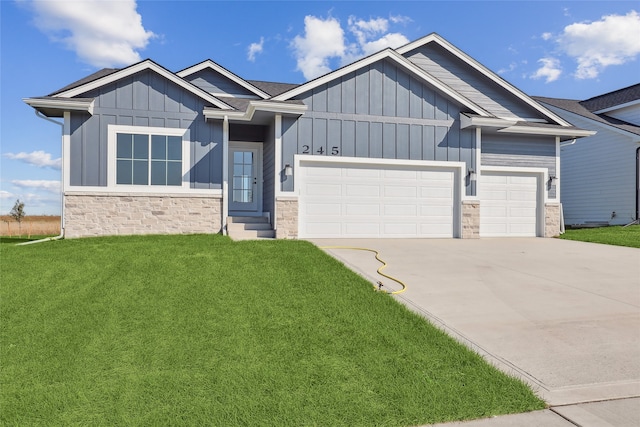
x=243 y=178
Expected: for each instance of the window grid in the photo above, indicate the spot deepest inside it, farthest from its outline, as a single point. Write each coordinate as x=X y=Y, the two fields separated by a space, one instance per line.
x=143 y=159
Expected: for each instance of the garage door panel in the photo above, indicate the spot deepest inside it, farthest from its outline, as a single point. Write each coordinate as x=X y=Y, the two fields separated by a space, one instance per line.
x=362 y=190
x=376 y=201
x=508 y=204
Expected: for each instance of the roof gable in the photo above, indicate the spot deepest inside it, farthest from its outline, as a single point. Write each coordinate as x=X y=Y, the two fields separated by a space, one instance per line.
x=148 y=64
x=527 y=101
x=212 y=66
x=387 y=54
x=617 y=99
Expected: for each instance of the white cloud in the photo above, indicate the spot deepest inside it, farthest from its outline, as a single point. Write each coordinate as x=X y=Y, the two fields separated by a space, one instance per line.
x=613 y=40
x=37 y=158
x=6 y=195
x=325 y=39
x=546 y=36
x=254 y=49
x=508 y=69
x=102 y=33
x=399 y=19
x=40 y=184
x=550 y=70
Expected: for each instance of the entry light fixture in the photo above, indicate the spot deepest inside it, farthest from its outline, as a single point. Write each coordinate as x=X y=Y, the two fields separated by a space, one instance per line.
x=552 y=179
x=288 y=170
x=471 y=172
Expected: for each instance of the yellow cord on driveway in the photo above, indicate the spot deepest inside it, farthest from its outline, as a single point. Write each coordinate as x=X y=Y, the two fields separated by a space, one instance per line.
x=379 y=271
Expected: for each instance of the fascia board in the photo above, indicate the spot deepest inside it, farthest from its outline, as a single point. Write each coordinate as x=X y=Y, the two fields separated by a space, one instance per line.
x=136 y=68
x=495 y=122
x=226 y=73
x=483 y=70
x=253 y=107
x=530 y=130
x=383 y=54
x=608 y=126
x=61 y=104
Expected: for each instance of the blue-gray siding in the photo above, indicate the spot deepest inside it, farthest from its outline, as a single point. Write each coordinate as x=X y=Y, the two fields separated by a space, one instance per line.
x=145 y=99
x=213 y=82
x=379 y=111
x=520 y=151
x=472 y=84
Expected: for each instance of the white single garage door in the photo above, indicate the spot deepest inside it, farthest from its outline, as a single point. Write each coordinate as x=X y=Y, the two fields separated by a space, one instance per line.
x=364 y=200
x=508 y=204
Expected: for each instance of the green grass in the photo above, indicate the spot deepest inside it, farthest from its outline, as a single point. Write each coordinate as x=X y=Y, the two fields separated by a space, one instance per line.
x=199 y=330
x=616 y=235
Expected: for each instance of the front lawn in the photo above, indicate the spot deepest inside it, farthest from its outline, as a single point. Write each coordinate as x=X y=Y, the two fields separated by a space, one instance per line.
x=615 y=235
x=199 y=330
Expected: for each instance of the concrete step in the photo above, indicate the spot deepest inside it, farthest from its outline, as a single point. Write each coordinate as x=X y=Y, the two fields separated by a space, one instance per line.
x=251 y=234
x=249 y=228
x=247 y=219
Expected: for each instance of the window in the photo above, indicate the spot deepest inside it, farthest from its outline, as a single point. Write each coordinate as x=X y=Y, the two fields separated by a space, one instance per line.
x=149 y=158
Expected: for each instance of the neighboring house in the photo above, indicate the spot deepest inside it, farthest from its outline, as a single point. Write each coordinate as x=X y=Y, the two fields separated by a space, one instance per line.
x=420 y=141
x=601 y=174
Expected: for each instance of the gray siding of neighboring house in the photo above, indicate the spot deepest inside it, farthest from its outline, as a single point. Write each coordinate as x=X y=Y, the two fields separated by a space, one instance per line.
x=145 y=99
x=213 y=82
x=456 y=74
x=520 y=151
x=379 y=111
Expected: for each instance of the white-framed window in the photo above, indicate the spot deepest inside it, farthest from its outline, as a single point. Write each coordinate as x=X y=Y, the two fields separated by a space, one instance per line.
x=144 y=157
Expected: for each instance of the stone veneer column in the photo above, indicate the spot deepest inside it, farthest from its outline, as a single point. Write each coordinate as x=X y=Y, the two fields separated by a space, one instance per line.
x=551 y=220
x=470 y=219
x=286 y=217
x=90 y=214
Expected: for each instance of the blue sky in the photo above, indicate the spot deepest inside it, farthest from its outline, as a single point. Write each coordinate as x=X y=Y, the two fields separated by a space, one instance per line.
x=562 y=49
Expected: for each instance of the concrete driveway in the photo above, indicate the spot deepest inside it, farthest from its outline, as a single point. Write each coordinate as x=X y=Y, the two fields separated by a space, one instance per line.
x=562 y=315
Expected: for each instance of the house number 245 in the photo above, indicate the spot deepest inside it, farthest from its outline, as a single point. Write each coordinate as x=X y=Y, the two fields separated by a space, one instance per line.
x=334 y=150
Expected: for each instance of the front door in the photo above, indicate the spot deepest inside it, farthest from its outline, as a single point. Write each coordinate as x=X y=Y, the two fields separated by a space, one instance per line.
x=245 y=178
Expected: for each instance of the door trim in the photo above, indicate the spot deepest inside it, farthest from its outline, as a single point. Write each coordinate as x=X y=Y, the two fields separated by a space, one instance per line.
x=238 y=145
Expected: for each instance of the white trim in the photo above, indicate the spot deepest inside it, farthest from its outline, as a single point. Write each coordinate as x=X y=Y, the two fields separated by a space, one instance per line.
x=225 y=174
x=297 y=109
x=136 y=68
x=459 y=169
x=139 y=190
x=85 y=105
x=617 y=107
x=66 y=146
x=533 y=130
x=277 y=167
x=433 y=37
x=466 y=122
x=384 y=54
x=225 y=73
x=478 y=158
x=112 y=130
x=557 y=182
x=543 y=176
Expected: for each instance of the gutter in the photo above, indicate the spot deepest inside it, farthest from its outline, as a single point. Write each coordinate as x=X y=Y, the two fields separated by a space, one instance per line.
x=61 y=235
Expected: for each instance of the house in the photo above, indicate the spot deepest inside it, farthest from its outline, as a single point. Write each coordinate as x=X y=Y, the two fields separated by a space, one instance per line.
x=600 y=182
x=420 y=141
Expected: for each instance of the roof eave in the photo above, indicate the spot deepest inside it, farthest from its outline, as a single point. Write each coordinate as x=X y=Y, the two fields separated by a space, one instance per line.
x=563 y=133
x=254 y=106
x=53 y=107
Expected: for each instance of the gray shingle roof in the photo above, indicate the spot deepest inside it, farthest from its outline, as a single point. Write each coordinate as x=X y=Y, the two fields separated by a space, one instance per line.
x=611 y=99
x=578 y=107
x=95 y=76
x=273 y=88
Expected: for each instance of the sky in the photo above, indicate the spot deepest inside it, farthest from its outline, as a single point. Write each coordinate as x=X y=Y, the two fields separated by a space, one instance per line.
x=561 y=48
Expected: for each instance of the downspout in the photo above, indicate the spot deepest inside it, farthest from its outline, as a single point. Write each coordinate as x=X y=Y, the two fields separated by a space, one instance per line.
x=637 y=185
x=61 y=235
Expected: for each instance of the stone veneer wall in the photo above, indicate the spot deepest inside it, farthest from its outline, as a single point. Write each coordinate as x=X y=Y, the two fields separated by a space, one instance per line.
x=89 y=214
x=551 y=220
x=286 y=218
x=470 y=219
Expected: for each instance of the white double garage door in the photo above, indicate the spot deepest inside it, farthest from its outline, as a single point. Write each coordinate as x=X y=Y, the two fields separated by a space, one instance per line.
x=416 y=200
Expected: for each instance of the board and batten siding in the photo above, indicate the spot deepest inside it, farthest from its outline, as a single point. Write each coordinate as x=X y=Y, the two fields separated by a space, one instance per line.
x=520 y=151
x=470 y=83
x=214 y=82
x=378 y=111
x=145 y=99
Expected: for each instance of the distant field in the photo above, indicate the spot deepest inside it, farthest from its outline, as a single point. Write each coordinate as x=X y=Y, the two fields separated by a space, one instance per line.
x=31 y=225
